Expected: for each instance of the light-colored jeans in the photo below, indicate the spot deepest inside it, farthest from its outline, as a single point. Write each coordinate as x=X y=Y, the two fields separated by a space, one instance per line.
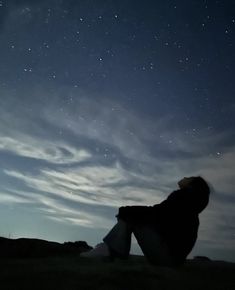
x=150 y=242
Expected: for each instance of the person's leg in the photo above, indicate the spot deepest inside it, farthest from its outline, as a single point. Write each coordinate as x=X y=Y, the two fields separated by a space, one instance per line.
x=116 y=243
x=152 y=245
x=118 y=239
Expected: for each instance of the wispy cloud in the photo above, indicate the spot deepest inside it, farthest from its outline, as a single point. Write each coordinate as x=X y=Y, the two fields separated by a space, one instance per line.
x=58 y=152
x=7 y=198
x=55 y=210
x=93 y=185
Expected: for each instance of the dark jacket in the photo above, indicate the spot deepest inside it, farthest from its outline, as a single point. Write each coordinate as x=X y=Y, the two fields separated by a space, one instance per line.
x=175 y=219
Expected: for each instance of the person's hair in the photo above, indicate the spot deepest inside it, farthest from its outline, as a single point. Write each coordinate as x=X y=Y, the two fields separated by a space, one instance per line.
x=199 y=184
x=202 y=192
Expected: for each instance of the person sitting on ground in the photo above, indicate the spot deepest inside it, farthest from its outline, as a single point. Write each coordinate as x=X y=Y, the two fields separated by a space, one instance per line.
x=165 y=232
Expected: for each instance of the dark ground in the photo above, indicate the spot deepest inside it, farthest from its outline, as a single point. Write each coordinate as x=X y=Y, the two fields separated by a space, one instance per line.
x=74 y=272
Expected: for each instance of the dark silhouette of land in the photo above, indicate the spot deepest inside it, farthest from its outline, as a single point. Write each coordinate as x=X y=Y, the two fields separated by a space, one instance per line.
x=71 y=272
x=36 y=248
x=40 y=264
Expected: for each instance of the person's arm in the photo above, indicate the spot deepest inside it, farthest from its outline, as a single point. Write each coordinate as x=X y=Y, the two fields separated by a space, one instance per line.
x=140 y=214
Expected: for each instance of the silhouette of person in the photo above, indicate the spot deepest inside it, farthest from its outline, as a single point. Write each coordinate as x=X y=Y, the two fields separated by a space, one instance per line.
x=165 y=232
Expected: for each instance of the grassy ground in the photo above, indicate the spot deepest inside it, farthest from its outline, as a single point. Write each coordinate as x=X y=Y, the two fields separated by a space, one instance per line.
x=70 y=273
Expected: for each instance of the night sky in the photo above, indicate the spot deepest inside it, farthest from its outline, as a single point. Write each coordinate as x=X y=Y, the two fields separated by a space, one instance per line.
x=109 y=103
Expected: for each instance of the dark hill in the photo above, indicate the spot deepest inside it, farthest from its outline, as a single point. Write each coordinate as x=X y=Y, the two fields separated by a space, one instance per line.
x=79 y=273
x=58 y=266
x=36 y=248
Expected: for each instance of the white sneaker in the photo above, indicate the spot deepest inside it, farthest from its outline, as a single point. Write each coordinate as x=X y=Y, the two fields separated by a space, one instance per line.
x=100 y=250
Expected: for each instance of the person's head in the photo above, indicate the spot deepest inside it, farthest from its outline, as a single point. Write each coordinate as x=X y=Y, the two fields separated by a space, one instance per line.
x=186 y=182
x=194 y=182
x=200 y=189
